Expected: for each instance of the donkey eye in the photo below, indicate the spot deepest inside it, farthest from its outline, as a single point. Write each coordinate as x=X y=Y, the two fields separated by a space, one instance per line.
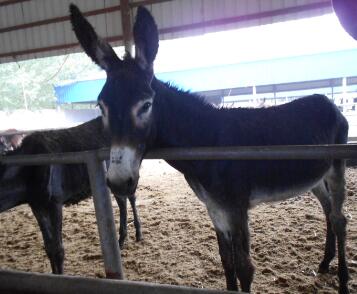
x=145 y=107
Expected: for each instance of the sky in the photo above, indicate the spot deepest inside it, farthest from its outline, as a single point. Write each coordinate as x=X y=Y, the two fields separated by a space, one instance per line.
x=291 y=38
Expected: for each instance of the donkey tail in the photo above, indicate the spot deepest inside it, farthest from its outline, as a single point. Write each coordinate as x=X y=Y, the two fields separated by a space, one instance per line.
x=12 y=183
x=12 y=187
x=342 y=131
x=342 y=138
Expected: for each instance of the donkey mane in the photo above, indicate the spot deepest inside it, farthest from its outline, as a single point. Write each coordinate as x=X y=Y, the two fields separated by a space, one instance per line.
x=187 y=97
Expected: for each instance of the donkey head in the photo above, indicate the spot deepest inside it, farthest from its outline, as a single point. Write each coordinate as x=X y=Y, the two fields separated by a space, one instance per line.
x=126 y=100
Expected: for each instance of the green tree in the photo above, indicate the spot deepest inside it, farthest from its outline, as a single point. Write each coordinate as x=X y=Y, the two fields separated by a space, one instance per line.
x=29 y=84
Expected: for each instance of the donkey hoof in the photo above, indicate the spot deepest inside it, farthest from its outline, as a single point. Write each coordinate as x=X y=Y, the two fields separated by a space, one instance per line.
x=323 y=269
x=139 y=237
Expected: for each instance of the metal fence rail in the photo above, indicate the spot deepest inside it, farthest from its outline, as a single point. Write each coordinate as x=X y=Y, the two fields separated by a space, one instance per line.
x=257 y=152
x=17 y=282
x=199 y=153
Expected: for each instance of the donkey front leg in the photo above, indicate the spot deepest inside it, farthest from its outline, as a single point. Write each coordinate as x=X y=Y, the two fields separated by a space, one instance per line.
x=233 y=241
x=225 y=245
x=137 y=223
x=241 y=247
x=226 y=252
x=123 y=217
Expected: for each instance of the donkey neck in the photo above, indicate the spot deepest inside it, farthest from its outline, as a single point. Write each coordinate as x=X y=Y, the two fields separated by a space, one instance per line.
x=183 y=119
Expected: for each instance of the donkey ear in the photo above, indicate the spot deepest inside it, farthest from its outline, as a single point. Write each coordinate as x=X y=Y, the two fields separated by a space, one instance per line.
x=146 y=38
x=96 y=48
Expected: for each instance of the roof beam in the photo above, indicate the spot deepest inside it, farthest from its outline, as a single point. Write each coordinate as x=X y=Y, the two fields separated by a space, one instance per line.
x=57 y=19
x=66 y=17
x=12 y=2
x=52 y=48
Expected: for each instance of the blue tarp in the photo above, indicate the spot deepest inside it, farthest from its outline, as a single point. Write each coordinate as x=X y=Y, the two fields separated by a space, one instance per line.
x=79 y=92
x=267 y=72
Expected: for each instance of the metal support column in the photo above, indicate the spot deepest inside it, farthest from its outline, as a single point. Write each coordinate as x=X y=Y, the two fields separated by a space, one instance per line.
x=105 y=220
x=126 y=25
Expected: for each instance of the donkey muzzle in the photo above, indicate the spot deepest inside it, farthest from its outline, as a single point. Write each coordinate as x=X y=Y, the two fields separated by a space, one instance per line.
x=123 y=172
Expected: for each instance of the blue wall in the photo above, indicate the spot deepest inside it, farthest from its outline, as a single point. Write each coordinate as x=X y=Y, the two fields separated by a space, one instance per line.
x=277 y=71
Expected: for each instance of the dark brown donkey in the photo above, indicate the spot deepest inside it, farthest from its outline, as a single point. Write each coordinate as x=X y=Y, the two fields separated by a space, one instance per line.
x=47 y=188
x=142 y=113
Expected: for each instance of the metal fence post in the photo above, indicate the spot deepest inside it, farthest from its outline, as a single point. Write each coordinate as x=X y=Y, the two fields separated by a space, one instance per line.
x=105 y=219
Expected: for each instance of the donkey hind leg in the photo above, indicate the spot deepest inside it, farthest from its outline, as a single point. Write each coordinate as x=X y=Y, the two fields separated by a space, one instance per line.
x=233 y=242
x=49 y=218
x=56 y=219
x=336 y=184
x=137 y=222
x=123 y=217
x=323 y=195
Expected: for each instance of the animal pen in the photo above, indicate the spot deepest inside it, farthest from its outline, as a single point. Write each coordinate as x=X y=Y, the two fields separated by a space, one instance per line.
x=19 y=282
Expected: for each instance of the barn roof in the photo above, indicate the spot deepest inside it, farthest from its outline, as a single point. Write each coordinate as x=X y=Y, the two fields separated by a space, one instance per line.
x=38 y=28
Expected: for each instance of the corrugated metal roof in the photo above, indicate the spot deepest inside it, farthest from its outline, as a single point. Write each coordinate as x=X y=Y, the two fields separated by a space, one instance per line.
x=28 y=28
x=38 y=28
x=189 y=17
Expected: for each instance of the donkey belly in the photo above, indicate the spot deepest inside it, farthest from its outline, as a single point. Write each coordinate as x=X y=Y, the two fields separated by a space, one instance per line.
x=263 y=195
x=68 y=184
x=284 y=183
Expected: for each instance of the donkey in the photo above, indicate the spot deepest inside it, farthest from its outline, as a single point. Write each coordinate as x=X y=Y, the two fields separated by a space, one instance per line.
x=10 y=141
x=143 y=113
x=47 y=188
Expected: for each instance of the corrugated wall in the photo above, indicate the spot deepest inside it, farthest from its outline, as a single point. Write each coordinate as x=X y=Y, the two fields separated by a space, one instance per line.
x=38 y=28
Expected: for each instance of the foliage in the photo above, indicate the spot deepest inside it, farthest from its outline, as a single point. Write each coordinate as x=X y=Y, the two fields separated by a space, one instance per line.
x=29 y=84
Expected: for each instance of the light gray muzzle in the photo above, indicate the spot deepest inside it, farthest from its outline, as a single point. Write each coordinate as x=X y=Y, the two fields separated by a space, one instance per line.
x=123 y=172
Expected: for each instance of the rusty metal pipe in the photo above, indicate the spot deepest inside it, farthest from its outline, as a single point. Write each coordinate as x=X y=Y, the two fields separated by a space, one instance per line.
x=104 y=215
x=17 y=282
x=201 y=153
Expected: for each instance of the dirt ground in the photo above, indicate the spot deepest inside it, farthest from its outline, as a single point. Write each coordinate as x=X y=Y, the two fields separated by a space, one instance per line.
x=179 y=245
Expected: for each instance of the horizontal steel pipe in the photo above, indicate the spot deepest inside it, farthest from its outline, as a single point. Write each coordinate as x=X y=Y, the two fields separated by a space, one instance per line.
x=251 y=152
x=200 y=153
x=48 y=158
x=257 y=152
x=29 y=283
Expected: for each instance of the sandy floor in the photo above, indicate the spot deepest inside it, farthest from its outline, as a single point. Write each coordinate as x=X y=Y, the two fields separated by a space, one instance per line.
x=179 y=245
